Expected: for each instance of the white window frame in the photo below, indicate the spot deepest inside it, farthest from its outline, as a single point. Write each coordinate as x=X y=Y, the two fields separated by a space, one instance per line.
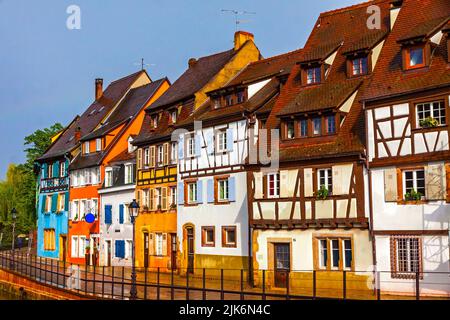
x=146 y=157
x=74 y=212
x=48 y=203
x=158 y=196
x=128 y=248
x=81 y=246
x=129 y=173
x=76 y=246
x=221 y=141
x=223 y=184
x=145 y=198
x=86 y=147
x=327 y=175
x=174 y=152
x=323 y=250
x=190 y=146
x=108 y=177
x=98 y=144
x=159 y=238
x=62 y=169
x=276 y=186
x=61 y=202
x=441 y=108
x=173 y=116
x=193 y=186
x=414 y=172
x=173 y=195
x=160 y=158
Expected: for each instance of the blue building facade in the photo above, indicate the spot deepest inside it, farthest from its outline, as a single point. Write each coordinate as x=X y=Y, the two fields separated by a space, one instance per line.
x=53 y=209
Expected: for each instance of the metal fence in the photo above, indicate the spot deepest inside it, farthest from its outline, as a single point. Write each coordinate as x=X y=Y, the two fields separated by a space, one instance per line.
x=221 y=284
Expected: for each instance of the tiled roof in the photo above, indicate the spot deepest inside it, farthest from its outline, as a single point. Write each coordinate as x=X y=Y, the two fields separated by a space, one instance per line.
x=91 y=117
x=320 y=52
x=194 y=78
x=123 y=157
x=425 y=28
x=389 y=78
x=367 y=41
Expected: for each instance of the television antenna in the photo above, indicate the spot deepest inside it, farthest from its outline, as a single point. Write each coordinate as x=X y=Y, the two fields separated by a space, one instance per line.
x=143 y=64
x=236 y=15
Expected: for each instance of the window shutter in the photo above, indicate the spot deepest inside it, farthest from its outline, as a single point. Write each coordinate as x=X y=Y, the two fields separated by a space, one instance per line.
x=198 y=144
x=139 y=159
x=66 y=168
x=231 y=189
x=151 y=205
x=210 y=143
x=435 y=182
x=230 y=139
x=164 y=244
x=166 y=153
x=210 y=190
x=258 y=187
x=121 y=213
x=108 y=214
x=54 y=202
x=44 y=170
x=56 y=169
x=390 y=185
x=180 y=193
x=181 y=147
x=164 y=198
x=151 y=244
x=199 y=191
x=120 y=249
x=66 y=202
x=152 y=156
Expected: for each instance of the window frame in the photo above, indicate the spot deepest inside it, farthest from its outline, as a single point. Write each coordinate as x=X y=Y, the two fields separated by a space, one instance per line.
x=225 y=242
x=408 y=57
x=395 y=272
x=443 y=109
x=98 y=144
x=316 y=77
x=86 y=147
x=190 y=144
x=415 y=180
x=189 y=184
x=129 y=173
x=276 y=187
x=360 y=59
x=328 y=175
x=109 y=177
x=222 y=139
x=205 y=242
x=328 y=238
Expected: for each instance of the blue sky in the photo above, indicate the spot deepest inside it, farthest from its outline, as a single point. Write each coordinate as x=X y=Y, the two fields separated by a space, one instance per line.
x=47 y=71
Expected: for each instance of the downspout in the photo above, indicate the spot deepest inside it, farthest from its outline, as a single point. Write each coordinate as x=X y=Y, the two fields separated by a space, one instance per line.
x=250 y=208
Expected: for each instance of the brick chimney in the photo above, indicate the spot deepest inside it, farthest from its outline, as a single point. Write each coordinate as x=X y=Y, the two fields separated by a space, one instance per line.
x=98 y=88
x=240 y=37
x=192 y=62
x=77 y=134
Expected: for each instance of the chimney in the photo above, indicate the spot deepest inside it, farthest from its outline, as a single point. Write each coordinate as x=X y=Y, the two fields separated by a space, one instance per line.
x=192 y=62
x=393 y=12
x=240 y=37
x=98 y=88
x=77 y=134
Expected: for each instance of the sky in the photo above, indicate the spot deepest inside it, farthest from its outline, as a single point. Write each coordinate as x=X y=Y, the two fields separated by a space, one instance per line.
x=47 y=71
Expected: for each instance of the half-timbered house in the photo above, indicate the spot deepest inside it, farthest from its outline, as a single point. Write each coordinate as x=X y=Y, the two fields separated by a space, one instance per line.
x=407 y=112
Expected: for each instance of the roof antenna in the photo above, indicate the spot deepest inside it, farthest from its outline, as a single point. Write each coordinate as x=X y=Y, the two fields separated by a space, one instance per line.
x=236 y=13
x=143 y=65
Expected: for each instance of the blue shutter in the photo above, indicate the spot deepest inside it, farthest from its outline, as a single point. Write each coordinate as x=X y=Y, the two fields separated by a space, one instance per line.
x=121 y=213
x=108 y=214
x=180 y=193
x=210 y=190
x=54 y=202
x=56 y=169
x=120 y=249
x=44 y=170
x=210 y=142
x=180 y=146
x=198 y=145
x=230 y=139
x=44 y=199
x=66 y=204
x=231 y=189
x=200 y=191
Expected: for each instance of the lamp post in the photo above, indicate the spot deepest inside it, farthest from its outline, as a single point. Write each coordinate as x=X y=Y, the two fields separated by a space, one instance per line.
x=133 y=209
x=14 y=217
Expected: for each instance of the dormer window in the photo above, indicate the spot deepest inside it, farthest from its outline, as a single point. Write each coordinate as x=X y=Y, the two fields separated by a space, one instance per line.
x=303 y=128
x=216 y=103
x=359 y=66
x=415 y=57
x=290 y=127
x=310 y=127
x=155 y=121
x=313 y=75
x=173 y=116
x=331 y=124
x=317 y=126
x=98 y=144
x=240 y=97
x=86 y=147
x=229 y=100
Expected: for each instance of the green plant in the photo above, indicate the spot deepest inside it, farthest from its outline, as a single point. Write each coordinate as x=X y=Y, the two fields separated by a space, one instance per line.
x=428 y=122
x=322 y=193
x=413 y=195
x=76 y=217
x=173 y=206
x=159 y=207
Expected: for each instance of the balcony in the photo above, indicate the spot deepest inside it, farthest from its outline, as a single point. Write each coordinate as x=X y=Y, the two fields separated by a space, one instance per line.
x=54 y=184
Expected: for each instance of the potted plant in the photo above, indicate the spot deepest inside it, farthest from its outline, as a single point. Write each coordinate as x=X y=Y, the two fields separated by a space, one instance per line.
x=76 y=218
x=413 y=195
x=428 y=122
x=322 y=193
x=173 y=206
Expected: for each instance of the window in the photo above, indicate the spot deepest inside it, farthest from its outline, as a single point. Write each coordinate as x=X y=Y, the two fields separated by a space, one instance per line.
x=74 y=213
x=273 y=185
x=86 y=147
x=160 y=155
x=406 y=256
x=155 y=121
x=359 y=66
x=229 y=237
x=49 y=240
x=62 y=169
x=83 y=208
x=216 y=103
x=146 y=156
x=145 y=198
x=221 y=141
x=173 y=116
x=173 y=196
x=415 y=57
x=158 y=196
x=61 y=202
x=159 y=244
x=331 y=124
x=290 y=131
x=317 y=126
x=222 y=189
x=81 y=246
x=75 y=247
x=98 y=144
x=429 y=111
x=192 y=192
x=208 y=237
x=326 y=179
x=48 y=203
x=108 y=178
x=334 y=253
x=303 y=128
x=313 y=75
x=191 y=146
x=94 y=207
x=128 y=249
x=129 y=174
x=414 y=181
x=50 y=171
x=173 y=152
x=229 y=100
x=240 y=97
x=95 y=172
x=87 y=176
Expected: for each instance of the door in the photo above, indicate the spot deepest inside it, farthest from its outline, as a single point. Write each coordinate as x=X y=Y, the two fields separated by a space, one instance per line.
x=146 y=249
x=108 y=253
x=63 y=248
x=173 y=250
x=282 y=264
x=190 y=249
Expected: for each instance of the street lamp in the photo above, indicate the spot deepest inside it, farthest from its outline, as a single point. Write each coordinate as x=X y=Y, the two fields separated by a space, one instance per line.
x=133 y=209
x=14 y=217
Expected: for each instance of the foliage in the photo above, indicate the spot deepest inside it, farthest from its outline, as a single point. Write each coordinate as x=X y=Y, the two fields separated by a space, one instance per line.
x=322 y=193
x=413 y=195
x=428 y=122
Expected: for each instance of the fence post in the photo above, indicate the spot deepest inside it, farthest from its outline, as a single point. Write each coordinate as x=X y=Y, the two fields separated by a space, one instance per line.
x=417 y=285
x=242 y=284
x=157 y=288
x=221 y=285
x=187 y=284
x=344 y=284
x=264 y=285
x=314 y=284
x=123 y=281
x=45 y=271
x=145 y=281
x=112 y=288
x=171 y=285
x=287 y=285
x=57 y=273
x=85 y=278
x=378 y=286
x=204 y=284
x=103 y=281
x=40 y=269
x=93 y=282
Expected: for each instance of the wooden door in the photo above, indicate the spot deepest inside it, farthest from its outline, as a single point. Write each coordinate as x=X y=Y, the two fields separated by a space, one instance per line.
x=146 y=249
x=63 y=248
x=173 y=250
x=190 y=249
x=282 y=261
